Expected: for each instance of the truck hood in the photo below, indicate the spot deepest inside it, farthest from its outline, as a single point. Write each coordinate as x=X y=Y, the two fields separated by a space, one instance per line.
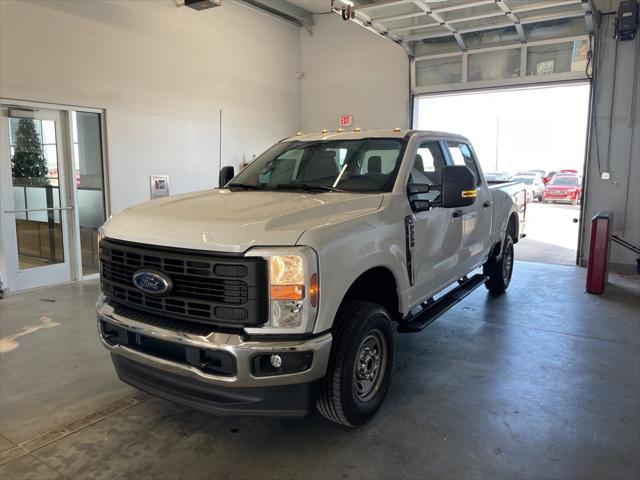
x=233 y=221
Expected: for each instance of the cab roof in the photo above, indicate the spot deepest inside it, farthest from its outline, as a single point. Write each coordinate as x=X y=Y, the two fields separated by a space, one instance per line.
x=356 y=134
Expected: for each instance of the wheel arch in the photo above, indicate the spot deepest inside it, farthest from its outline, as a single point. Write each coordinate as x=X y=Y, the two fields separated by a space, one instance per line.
x=377 y=285
x=513 y=225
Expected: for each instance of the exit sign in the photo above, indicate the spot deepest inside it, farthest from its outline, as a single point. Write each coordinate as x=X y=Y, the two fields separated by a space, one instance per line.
x=346 y=120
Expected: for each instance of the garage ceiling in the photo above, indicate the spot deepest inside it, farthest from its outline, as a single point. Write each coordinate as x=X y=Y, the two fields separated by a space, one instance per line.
x=417 y=23
x=426 y=27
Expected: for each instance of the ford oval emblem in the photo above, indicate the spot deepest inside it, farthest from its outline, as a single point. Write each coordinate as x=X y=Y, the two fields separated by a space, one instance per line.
x=152 y=282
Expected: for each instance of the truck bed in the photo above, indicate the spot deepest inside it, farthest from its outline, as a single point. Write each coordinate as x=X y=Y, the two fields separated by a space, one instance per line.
x=518 y=193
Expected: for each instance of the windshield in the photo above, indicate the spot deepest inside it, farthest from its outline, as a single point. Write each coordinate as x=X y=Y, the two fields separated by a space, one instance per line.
x=565 y=181
x=367 y=165
x=525 y=180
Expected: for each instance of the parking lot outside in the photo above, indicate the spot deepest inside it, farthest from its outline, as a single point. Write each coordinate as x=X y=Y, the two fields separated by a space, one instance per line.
x=552 y=234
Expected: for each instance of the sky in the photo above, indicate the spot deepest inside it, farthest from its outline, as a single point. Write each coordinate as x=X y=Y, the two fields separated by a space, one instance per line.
x=538 y=128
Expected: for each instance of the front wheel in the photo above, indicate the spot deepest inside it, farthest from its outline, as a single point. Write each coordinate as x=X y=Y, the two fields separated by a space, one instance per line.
x=500 y=272
x=360 y=364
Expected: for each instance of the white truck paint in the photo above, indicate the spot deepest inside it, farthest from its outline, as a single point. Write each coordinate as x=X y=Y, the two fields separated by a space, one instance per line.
x=349 y=235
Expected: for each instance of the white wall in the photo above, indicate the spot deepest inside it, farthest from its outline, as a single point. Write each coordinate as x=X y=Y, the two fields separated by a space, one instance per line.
x=162 y=73
x=619 y=147
x=349 y=70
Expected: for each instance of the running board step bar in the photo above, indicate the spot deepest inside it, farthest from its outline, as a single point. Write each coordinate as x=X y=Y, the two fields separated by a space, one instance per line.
x=433 y=310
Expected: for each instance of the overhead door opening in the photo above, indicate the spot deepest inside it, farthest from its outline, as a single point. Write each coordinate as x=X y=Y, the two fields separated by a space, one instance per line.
x=533 y=135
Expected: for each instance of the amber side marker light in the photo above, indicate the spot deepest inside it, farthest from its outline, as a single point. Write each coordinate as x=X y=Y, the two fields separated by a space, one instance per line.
x=314 y=290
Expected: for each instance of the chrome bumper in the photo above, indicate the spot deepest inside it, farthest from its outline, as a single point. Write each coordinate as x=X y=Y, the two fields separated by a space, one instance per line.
x=242 y=351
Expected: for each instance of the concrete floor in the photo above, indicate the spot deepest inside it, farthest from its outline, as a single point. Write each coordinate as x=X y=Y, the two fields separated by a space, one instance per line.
x=543 y=382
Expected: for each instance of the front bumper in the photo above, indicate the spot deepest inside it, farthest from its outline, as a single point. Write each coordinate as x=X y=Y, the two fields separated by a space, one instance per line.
x=174 y=379
x=281 y=401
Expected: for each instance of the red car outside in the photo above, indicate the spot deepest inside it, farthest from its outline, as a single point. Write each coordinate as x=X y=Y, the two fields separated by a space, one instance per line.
x=563 y=188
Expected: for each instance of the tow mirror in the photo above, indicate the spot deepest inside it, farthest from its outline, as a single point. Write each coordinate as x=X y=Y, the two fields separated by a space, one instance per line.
x=418 y=188
x=226 y=174
x=458 y=186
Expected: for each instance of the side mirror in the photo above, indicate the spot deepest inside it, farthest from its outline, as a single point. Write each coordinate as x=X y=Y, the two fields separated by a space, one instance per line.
x=458 y=186
x=418 y=188
x=226 y=174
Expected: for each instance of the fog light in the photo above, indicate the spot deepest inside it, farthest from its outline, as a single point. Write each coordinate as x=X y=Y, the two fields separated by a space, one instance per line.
x=282 y=363
x=276 y=361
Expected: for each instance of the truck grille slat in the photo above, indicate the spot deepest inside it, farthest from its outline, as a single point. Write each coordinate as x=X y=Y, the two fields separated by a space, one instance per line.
x=207 y=287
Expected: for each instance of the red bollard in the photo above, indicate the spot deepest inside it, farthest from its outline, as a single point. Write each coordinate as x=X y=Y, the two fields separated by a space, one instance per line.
x=599 y=250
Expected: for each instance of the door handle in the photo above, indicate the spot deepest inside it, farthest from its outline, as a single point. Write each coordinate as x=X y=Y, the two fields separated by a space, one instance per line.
x=458 y=213
x=487 y=204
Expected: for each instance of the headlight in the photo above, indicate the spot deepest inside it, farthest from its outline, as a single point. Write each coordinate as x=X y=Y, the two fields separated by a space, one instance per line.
x=293 y=289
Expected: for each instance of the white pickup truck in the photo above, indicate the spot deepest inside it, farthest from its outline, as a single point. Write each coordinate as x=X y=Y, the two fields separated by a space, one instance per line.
x=282 y=291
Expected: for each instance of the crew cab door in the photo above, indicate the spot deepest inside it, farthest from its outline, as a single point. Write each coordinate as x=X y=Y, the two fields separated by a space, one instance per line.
x=434 y=236
x=476 y=218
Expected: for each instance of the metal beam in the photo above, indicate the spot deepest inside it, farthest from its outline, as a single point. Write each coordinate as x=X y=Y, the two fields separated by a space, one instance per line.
x=285 y=10
x=394 y=18
x=537 y=19
x=550 y=18
x=514 y=19
x=543 y=5
x=450 y=8
x=422 y=5
x=587 y=8
x=471 y=51
x=365 y=21
x=390 y=3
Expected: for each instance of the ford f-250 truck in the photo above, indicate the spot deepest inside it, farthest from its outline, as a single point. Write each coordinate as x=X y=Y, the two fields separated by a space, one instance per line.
x=282 y=291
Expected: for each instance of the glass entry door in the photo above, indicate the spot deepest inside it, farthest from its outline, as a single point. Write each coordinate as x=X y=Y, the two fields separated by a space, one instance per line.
x=35 y=187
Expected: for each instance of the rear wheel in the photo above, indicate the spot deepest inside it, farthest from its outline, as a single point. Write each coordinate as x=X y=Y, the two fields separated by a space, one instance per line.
x=500 y=272
x=360 y=364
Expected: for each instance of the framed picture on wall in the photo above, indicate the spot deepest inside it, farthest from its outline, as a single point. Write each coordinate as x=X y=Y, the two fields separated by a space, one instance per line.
x=159 y=186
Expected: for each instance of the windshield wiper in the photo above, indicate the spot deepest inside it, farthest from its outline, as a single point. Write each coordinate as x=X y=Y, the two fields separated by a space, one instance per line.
x=246 y=186
x=307 y=187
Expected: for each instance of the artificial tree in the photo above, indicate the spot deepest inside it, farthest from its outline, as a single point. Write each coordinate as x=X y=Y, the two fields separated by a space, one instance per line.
x=28 y=165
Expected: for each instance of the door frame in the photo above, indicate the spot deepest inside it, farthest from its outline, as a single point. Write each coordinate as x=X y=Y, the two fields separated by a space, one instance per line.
x=474 y=88
x=73 y=232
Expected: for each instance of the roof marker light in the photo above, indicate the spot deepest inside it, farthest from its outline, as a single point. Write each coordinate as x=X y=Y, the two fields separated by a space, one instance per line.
x=324 y=130
x=397 y=129
x=358 y=130
x=298 y=134
x=340 y=130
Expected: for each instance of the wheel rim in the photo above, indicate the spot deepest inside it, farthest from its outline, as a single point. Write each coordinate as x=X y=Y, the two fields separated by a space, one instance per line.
x=507 y=263
x=370 y=365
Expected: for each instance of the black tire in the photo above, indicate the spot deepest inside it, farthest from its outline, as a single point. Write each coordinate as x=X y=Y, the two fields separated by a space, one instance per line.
x=500 y=272
x=343 y=395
